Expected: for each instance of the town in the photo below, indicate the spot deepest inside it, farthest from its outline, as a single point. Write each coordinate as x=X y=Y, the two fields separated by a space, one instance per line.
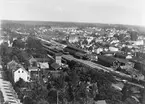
x=66 y=63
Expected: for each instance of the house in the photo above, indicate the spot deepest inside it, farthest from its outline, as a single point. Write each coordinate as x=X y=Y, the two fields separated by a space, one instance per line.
x=33 y=62
x=99 y=50
x=34 y=72
x=17 y=71
x=43 y=63
x=12 y=65
x=139 y=42
x=20 y=72
x=73 y=38
x=129 y=56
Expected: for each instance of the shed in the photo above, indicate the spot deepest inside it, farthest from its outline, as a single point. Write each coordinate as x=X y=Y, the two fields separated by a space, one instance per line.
x=55 y=66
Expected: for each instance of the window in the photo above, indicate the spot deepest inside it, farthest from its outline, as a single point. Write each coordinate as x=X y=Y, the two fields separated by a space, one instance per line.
x=18 y=71
x=22 y=71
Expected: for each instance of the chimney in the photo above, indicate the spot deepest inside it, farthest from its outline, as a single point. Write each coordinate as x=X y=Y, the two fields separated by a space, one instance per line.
x=58 y=57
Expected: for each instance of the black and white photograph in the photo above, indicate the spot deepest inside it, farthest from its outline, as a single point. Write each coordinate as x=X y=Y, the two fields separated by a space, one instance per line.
x=72 y=51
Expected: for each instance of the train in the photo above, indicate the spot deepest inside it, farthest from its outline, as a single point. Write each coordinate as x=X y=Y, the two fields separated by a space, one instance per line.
x=76 y=52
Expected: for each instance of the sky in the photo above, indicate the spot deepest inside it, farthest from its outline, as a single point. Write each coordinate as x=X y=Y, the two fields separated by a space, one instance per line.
x=96 y=11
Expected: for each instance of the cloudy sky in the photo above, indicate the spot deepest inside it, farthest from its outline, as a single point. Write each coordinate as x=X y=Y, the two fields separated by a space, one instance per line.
x=98 y=11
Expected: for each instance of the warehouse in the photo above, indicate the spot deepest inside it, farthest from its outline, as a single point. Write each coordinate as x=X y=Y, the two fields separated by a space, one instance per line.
x=108 y=61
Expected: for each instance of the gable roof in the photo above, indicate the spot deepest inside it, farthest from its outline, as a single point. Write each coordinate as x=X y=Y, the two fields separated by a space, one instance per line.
x=11 y=63
x=21 y=68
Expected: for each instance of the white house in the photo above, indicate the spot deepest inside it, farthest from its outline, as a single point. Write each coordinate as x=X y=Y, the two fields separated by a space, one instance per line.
x=139 y=42
x=21 y=73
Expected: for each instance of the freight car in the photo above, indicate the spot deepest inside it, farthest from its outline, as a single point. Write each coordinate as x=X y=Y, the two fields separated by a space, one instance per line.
x=120 y=55
x=138 y=64
x=76 y=52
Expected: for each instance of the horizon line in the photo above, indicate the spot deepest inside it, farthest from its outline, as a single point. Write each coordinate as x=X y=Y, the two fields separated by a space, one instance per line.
x=72 y=22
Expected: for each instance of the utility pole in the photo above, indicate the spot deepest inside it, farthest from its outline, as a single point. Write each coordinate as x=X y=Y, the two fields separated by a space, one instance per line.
x=57 y=97
x=143 y=95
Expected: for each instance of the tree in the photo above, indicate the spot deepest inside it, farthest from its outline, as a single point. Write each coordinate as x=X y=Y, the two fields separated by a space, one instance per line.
x=5 y=59
x=52 y=96
x=80 y=93
x=15 y=58
x=20 y=83
x=69 y=93
x=85 y=42
x=28 y=100
x=104 y=81
x=18 y=43
x=33 y=43
x=42 y=101
x=15 y=52
x=143 y=96
x=4 y=49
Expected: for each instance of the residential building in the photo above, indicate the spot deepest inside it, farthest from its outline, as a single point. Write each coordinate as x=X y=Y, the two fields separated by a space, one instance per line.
x=12 y=65
x=34 y=72
x=33 y=62
x=21 y=73
x=55 y=66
